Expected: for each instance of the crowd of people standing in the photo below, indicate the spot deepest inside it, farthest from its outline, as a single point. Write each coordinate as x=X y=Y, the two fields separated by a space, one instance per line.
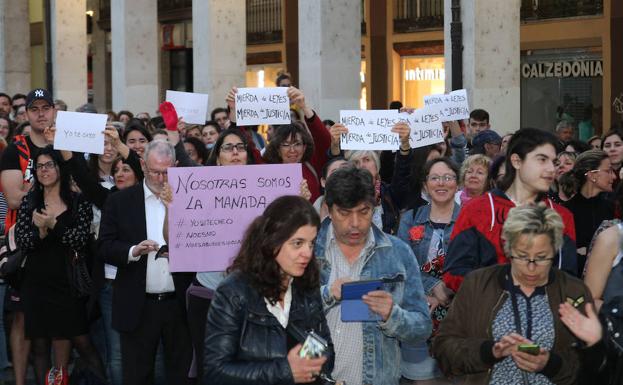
x=495 y=254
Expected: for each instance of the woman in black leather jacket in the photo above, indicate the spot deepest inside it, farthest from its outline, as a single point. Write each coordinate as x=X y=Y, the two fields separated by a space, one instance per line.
x=262 y=310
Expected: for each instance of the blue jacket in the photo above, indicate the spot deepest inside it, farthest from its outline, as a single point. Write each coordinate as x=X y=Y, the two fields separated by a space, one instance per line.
x=420 y=248
x=408 y=322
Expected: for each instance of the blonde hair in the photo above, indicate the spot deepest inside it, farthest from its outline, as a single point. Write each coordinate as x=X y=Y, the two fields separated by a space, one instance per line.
x=355 y=155
x=532 y=219
x=474 y=160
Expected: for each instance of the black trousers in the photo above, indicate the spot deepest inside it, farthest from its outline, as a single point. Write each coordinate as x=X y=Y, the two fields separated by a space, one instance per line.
x=197 y=316
x=161 y=321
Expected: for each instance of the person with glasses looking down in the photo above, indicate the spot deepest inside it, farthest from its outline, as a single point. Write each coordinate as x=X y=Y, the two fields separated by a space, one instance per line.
x=503 y=326
x=149 y=301
x=529 y=172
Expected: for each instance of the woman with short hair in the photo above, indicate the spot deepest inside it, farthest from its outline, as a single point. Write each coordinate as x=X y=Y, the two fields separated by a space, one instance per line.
x=474 y=178
x=503 y=326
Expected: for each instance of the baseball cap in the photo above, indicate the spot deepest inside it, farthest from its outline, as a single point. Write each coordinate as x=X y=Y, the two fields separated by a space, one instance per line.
x=37 y=94
x=486 y=136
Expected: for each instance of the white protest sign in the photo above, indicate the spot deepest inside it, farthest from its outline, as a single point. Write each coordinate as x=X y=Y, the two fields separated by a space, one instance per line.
x=262 y=106
x=192 y=107
x=452 y=106
x=426 y=128
x=370 y=130
x=80 y=131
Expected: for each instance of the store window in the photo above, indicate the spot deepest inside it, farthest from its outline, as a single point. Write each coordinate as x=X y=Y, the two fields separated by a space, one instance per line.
x=263 y=75
x=421 y=76
x=563 y=84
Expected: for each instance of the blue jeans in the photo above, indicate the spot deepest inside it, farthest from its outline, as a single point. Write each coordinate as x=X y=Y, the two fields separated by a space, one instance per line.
x=110 y=349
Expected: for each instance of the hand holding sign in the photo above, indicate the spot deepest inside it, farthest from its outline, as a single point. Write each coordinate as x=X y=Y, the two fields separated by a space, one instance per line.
x=79 y=131
x=369 y=130
x=263 y=106
x=452 y=106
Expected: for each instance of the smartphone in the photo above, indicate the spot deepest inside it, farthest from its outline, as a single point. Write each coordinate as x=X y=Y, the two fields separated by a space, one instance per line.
x=313 y=347
x=533 y=349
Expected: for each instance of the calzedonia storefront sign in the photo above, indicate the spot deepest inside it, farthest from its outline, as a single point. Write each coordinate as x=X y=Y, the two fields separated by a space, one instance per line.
x=563 y=69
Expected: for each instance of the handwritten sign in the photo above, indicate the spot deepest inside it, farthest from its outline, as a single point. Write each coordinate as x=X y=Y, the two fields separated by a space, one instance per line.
x=213 y=206
x=426 y=128
x=262 y=106
x=190 y=106
x=80 y=131
x=370 y=130
x=452 y=106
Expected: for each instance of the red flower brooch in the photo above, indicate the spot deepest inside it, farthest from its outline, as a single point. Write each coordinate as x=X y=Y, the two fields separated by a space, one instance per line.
x=416 y=233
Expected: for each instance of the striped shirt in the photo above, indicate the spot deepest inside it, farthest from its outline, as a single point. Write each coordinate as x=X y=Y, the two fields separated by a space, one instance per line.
x=347 y=336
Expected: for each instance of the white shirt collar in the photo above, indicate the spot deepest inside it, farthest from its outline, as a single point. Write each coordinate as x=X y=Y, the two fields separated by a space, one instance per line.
x=147 y=191
x=282 y=314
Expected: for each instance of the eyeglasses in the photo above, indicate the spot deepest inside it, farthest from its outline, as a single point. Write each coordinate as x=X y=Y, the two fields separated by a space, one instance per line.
x=229 y=147
x=608 y=171
x=44 y=109
x=45 y=166
x=17 y=106
x=157 y=174
x=538 y=261
x=295 y=145
x=441 y=178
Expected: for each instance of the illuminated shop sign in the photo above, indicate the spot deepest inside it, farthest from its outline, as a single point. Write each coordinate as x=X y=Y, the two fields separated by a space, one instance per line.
x=425 y=74
x=563 y=69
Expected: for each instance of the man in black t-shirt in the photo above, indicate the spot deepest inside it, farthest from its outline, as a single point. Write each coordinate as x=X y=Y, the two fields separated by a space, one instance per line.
x=41 y=114
x=16 y=179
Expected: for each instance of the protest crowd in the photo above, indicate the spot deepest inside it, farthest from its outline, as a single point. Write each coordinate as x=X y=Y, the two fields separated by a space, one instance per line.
x=476 y=258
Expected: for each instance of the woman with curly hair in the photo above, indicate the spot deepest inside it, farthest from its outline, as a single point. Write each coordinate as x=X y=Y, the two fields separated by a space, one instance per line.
x=271 y=297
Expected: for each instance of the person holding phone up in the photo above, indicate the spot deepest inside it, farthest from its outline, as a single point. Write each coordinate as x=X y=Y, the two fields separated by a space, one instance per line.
x=503 y=325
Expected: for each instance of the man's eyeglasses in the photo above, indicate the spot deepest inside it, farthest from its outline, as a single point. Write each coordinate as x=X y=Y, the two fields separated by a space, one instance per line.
x=43 y=109
x=538 y=261
x=45 y=166
x=157 y=174
x=17 y=106
x=295 y=145
x=229 y=147
x=441 y=178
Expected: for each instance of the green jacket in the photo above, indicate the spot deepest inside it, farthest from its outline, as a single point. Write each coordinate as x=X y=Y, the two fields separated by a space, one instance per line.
x=463 y=346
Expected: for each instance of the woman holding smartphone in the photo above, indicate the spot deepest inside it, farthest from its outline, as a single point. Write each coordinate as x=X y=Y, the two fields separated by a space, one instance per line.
x=262 y=310
x=503 y=326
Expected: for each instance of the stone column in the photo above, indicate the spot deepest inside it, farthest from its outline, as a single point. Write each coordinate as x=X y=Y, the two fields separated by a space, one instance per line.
x=14 y=47
x=100 y=77
x=219 y=48
x=69 y=51
x=134 y=28
x=491 y=59
x=330 y=55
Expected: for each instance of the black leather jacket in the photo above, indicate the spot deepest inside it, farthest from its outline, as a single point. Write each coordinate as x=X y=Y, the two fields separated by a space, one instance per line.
x=245 y=344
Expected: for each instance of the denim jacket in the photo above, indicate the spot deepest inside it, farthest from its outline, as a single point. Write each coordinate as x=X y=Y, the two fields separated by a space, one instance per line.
x=408 y=322
x=420 y=248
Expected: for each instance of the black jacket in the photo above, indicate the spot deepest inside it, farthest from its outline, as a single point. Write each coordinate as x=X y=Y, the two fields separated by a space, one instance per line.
x=123 y=226
x=245 y=344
